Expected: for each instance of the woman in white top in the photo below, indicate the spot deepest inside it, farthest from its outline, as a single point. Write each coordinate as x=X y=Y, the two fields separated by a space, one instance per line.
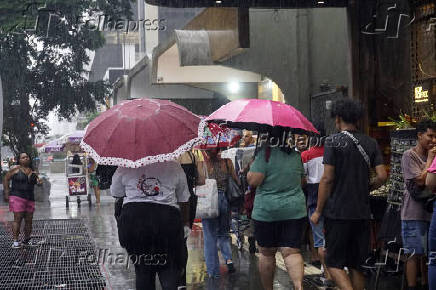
x=151 y=224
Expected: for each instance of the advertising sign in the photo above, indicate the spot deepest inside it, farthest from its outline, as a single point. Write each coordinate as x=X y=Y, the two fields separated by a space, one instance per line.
x=77 y=185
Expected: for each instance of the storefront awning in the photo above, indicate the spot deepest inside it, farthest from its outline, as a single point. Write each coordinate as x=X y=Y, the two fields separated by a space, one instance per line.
x=250 y=3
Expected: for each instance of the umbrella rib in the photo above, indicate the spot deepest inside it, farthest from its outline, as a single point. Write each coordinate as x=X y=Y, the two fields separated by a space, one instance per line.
x=182 y=120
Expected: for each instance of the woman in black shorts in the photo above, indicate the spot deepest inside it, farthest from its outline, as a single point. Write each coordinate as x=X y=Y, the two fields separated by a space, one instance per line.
x=279 y=211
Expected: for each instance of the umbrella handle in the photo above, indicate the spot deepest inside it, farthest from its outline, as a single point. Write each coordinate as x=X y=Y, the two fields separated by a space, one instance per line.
x=257 y=143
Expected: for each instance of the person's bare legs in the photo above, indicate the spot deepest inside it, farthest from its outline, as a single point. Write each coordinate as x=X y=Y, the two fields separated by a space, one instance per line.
x=267 y=266
x=97 y=194
x=321 y=254
x=357 y=279
x=295 y=265
x=16 y=225
x=28 y=219
x=412 y=270
x=341 y=278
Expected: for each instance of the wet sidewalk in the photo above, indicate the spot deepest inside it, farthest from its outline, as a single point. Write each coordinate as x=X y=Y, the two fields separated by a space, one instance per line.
x=119 y=274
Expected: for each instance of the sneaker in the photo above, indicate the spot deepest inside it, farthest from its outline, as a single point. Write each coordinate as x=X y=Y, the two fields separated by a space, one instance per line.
x=16 y=245
x=32 y=243
x=329 y=283
x=231 y=268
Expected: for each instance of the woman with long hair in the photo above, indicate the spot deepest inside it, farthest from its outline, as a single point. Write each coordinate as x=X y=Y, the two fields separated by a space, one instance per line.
x=21 y=197
x=279 y=211
x=216 y=231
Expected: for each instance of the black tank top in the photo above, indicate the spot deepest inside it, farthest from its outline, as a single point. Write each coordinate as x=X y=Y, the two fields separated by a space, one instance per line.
x=22 y=185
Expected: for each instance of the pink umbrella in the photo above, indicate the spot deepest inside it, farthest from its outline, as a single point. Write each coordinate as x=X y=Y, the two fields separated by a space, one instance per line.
x=140 y=132
x=261 y=115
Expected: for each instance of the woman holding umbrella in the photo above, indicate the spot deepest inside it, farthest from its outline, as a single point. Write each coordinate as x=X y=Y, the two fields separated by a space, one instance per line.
x=277 y=172
x=146 y=136
x=279 y=211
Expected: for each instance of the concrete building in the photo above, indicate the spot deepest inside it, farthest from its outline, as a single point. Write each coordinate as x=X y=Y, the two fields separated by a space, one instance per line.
x=297 y=49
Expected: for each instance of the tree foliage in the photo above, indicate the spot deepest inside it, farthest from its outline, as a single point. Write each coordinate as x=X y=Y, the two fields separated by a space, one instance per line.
x=43 y=52
x=89 y=117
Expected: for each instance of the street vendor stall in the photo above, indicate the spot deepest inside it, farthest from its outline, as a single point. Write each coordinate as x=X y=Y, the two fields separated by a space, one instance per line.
x=76 y=171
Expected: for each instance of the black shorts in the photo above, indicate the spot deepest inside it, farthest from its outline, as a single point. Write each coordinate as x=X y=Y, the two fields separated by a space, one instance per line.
x=286 y=233
x=347 y=243
x=149 y=230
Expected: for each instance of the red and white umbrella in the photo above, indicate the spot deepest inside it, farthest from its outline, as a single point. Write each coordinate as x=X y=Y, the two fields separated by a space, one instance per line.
x=143 y=131
x=216 y=136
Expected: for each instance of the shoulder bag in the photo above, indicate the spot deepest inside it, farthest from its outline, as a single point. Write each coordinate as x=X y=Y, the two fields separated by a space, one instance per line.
x=207 y=204
x=371 y=172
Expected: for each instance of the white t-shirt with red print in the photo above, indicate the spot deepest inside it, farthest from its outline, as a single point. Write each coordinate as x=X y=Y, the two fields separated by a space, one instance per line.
x=162 y=183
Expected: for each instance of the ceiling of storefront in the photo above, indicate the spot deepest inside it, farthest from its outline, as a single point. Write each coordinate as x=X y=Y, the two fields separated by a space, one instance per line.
x=250 y=3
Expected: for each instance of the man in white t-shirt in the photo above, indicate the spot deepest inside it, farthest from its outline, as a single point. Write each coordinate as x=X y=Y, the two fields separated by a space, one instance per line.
x=151 y=224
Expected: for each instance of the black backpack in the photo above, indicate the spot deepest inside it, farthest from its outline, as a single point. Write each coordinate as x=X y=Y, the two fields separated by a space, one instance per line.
x=104 y=175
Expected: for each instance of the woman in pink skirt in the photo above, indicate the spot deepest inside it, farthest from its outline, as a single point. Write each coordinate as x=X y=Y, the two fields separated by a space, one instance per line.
x=21 y=197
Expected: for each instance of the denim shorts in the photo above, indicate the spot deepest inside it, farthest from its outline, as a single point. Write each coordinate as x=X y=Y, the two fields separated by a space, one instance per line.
x=414 y=234
x=317 y=230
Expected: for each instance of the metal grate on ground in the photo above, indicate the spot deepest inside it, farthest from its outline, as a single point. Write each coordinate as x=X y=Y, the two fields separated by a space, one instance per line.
x=65 y=257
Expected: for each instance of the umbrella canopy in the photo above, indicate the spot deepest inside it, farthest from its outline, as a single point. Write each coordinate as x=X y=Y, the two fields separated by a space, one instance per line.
x=143 y=131
x=261 y=115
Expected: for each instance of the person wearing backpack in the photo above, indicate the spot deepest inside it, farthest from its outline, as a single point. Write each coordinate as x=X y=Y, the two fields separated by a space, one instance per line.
x=104 y=175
